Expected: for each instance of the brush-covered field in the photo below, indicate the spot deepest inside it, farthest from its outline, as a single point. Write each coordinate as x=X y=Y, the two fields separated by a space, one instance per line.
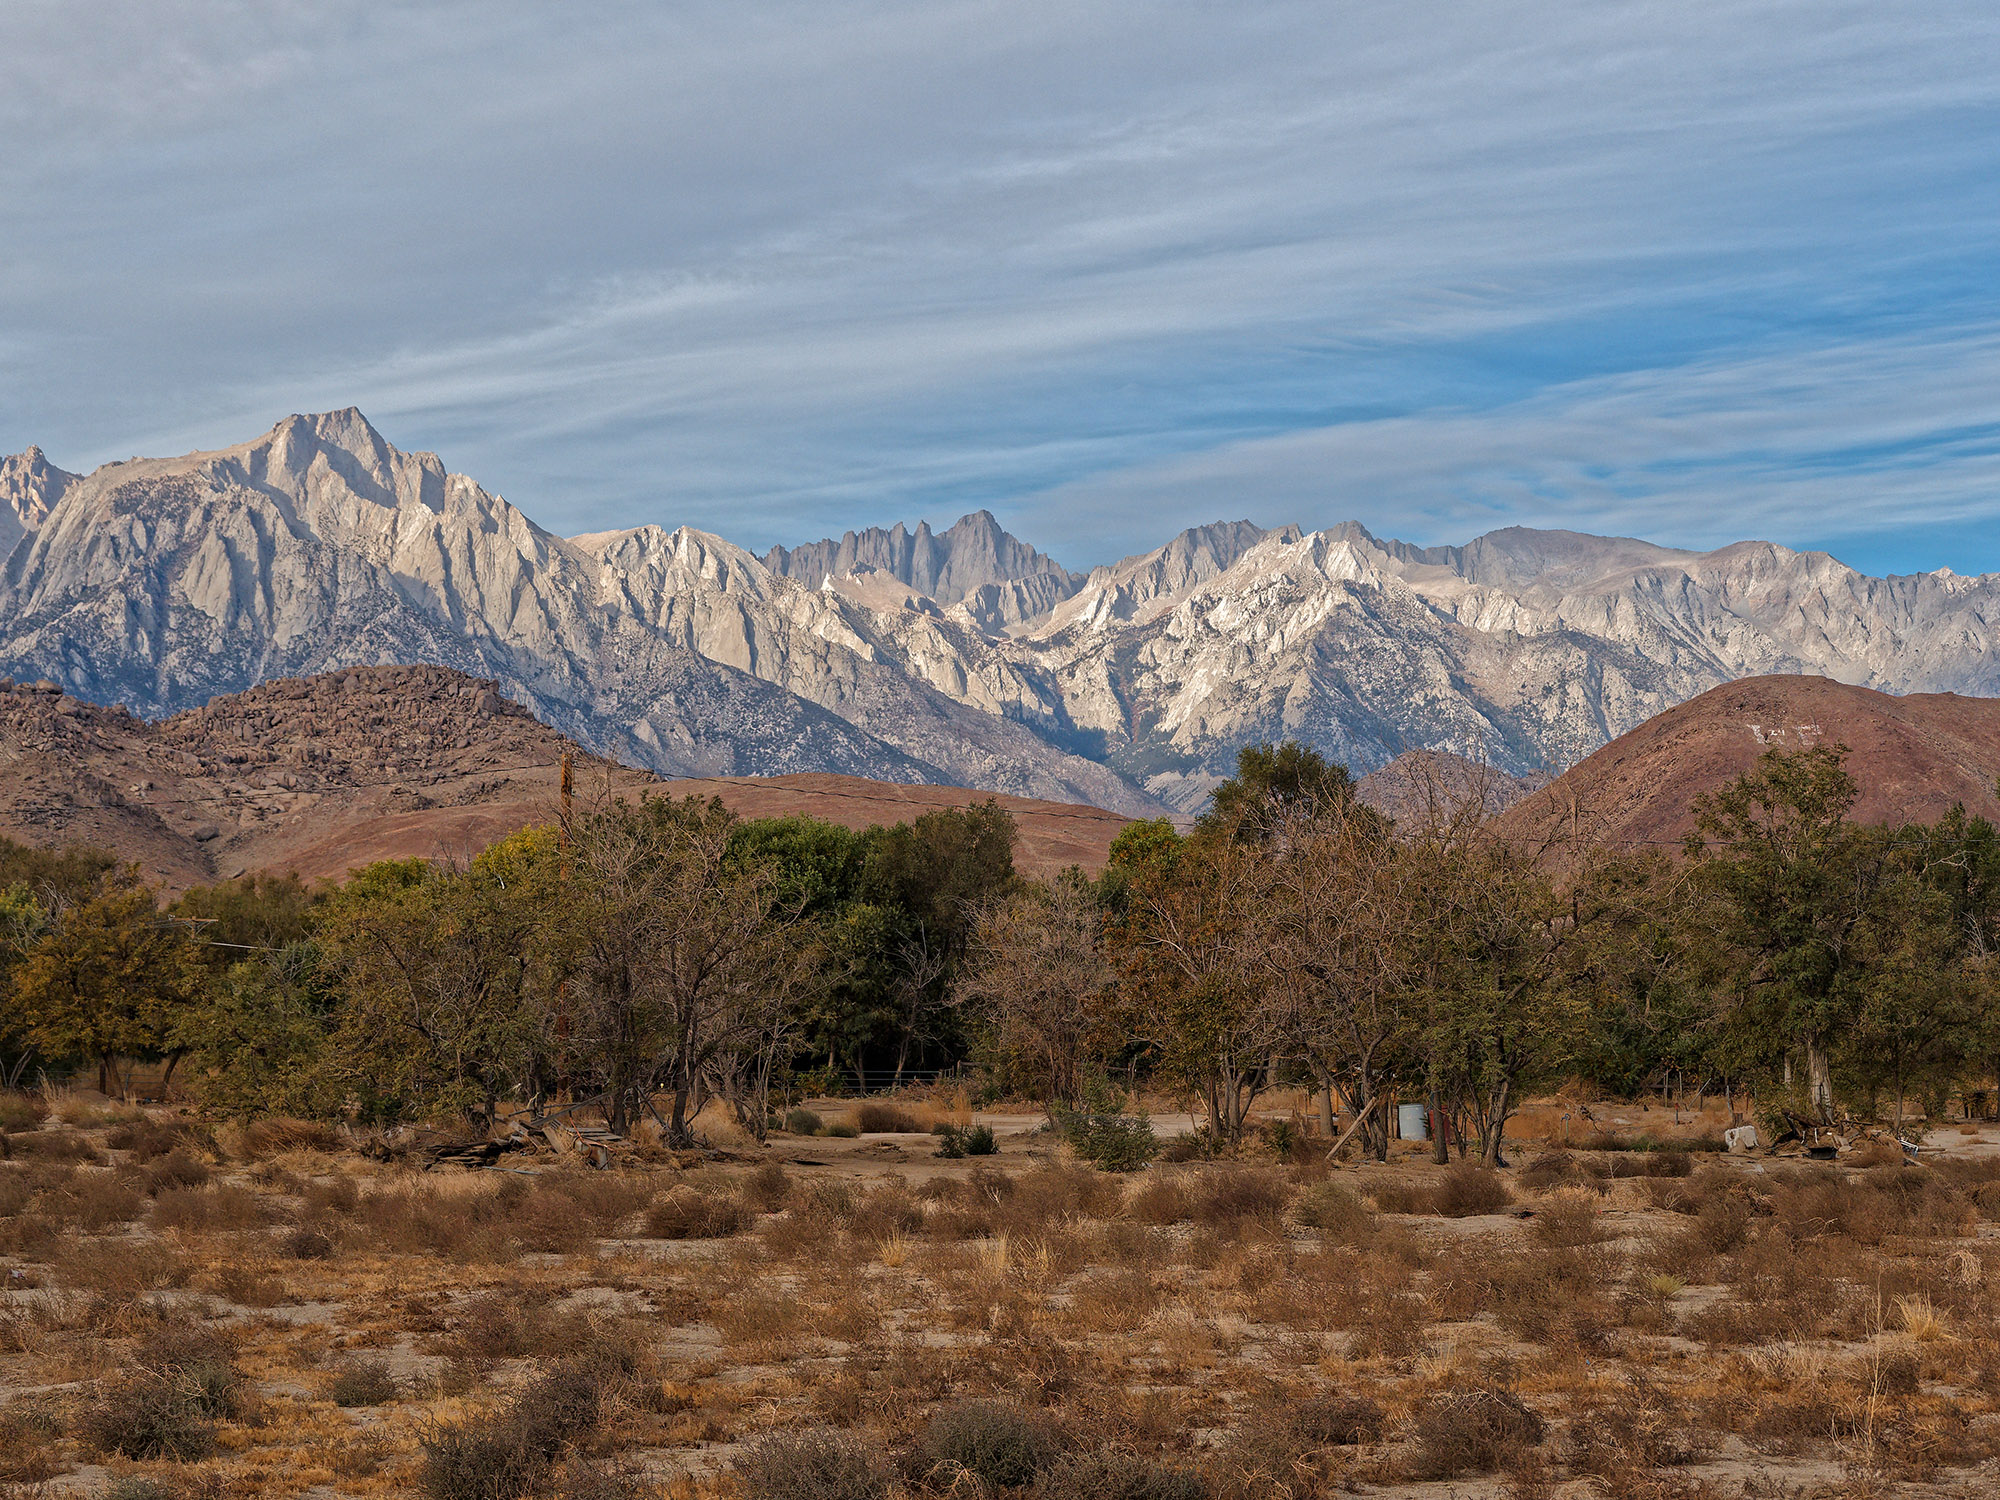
x=199 y=1312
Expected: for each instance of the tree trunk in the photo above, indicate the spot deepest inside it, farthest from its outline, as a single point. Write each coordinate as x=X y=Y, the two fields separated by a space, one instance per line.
x=104 y=1075
x=1819 y=1078
x=1498 y=1125
x=1440 y=1146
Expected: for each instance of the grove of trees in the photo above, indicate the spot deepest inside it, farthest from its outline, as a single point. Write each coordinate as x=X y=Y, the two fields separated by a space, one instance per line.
x=664 y=954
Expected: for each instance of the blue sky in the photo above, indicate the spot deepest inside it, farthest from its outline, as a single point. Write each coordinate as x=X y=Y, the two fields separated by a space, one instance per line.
x=1689 y=272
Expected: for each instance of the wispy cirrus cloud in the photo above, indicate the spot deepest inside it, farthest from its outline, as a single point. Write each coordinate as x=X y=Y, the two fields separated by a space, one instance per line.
x=780 y=270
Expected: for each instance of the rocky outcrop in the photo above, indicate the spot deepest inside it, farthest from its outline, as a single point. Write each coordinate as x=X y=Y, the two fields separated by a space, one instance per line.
x=30 y=486
x=1000 y=580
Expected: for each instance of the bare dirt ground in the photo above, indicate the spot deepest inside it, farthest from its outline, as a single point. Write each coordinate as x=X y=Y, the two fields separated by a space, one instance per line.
x=226 y=1312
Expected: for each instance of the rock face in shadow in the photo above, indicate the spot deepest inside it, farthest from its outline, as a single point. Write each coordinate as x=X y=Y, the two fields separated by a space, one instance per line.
x=962 y=657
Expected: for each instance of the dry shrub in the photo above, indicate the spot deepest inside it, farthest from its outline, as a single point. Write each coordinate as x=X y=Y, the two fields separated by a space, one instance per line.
x=185 y=1381
x=768 y=1187
x=335 y=1197
x=1465 y=1190
x=1643 y=1429
x=175 y=1169
x=1111 y=1474
x=1567 y=1217
x=602 y=1201
x=515 y=1451
x=1230 y=1198
x=884 y=1214
x=1880 y=1152
x=205 y=1210
x=263 y=1138
x=888 y=1119
x=244 y=1285
x=494 y=1325
x=147 y=1138
x=366 y=1382
x=1563 y=1168
x=1336 y=1212
x=1161 y=1198
x=1389 y=1325
x=56 y=1145
x=419 y=1219
x=96 y=1201
x=19 y=1111
x=993 y=1442
x=120 y=1267
x=1819 y=1202
x=28 y=1444
x=150 y=1416
x=816 y=1464
x=685 y=1213
x=1336 y=1421
x=1289 y=1447
x=306 y=1243
x=1472 y=1432
x=1052 y=1192
x=1401 y=1197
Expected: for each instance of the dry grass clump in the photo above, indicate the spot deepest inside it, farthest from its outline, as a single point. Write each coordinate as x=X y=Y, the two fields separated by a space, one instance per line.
x=97 y=1201
x=366 y=1382
x=993 y=1443
x=516 y=1451
x=767 y=1187
x=1563 y=1168
x=1231 y=1199
x=1641 y=1430
x=818 y=1463
x=1567 y=1217
x=272 y=1137
x=185 y=1382
x=206 y=1210
x=29 y=1437
x=175 y=1169
x=1472 y=1432
x=1292 y=1447
x=147 y=1138
x=19 y=1111
x=686 y=1213
x=422 y=1219
x=1460 y=1191
x=1466 y=1189
x=55 y=1145
x=1161 y=1198
x=516 y=1325
x=564 y=1211
x=1336 y=1212
x=1112 y=1474
x=888 y=1119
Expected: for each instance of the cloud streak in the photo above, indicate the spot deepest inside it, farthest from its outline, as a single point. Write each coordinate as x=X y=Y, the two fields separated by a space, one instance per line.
x=780 y=270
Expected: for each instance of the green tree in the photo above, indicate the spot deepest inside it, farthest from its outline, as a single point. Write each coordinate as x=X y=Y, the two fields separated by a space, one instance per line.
x=445 y=1001
x=105 y=979
x=1272 y=784
x=1795 y=881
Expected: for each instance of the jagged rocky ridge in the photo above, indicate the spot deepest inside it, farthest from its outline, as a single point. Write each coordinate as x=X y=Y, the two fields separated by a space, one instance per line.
x=964 y=656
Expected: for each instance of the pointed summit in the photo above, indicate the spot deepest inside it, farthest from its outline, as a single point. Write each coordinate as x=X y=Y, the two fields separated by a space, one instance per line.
x=951 y=567
x=30 y=487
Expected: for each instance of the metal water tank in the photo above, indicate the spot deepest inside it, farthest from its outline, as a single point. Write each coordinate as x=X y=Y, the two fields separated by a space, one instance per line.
x=1412 y=1123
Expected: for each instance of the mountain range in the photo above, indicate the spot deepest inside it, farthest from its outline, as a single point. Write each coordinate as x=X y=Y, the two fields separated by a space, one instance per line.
x=963 y=657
